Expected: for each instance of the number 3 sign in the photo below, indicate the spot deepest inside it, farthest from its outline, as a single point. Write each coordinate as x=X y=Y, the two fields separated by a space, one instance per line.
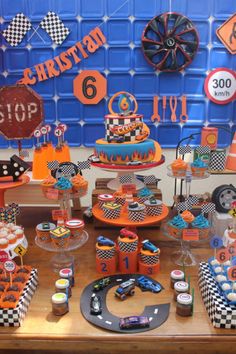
x=90 y=87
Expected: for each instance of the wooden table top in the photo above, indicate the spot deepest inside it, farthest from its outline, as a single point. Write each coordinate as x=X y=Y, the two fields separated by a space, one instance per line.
x=41 y=330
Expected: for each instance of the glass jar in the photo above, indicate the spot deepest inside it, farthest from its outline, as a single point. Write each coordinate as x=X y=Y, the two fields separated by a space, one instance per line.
x=60 y=304
x=63 y=286
x=180 y=287
x=67 y=273
x=176 y=275
x=184 y=305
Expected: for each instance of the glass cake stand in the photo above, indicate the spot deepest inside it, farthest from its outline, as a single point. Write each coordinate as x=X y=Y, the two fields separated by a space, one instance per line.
x=128 y=170
x=62 y=258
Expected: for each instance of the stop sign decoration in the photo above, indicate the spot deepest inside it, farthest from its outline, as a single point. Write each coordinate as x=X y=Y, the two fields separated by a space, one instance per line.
x=21 y=111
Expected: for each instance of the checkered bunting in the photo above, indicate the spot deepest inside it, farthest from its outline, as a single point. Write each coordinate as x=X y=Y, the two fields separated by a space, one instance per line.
x=217 y=160
x=208 y=208
x=127 y=246
x=136 y=216
x=203 y=149
x=54 y=27
x=193 y=200
x=150 y=179
x=220 y=312
x=17 y=29
x=52 y=165
x=185 y=150
x=84 y=165
x=125 y=179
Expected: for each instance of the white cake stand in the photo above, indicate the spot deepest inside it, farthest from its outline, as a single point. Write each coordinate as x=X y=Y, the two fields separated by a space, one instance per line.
x=123 y=170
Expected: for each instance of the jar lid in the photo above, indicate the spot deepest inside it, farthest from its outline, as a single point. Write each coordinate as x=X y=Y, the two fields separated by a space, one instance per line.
x=105 y=197
x=184 y=299
x=74 y=223
x=177 y=274
x=59 y=298
x=181 y=286
x=65 y=272
x=62 y=283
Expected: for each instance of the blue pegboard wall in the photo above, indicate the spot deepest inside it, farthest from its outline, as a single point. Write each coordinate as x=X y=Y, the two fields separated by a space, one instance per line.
x=122 y=62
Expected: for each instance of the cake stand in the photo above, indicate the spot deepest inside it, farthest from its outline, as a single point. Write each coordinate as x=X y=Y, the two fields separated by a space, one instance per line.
x=6 y=184
x=62 y=258
x=123 y=170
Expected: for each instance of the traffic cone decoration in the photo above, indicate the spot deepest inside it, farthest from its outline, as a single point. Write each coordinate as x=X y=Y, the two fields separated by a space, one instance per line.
x=231 y=158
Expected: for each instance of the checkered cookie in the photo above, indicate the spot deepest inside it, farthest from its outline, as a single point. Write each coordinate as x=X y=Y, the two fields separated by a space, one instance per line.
x=136 y=216
x=111 y=214
x=105 y=254
x=154 y=210
x=152 y=260
x=127 y=246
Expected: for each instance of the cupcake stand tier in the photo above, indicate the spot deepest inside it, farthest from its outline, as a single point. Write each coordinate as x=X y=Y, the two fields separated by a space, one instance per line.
x=123 y=170
x=124 y=221
x=6 y=184
x=62 y=258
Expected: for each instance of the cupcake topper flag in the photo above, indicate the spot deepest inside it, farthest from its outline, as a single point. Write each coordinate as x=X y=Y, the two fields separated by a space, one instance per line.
x=208 y=208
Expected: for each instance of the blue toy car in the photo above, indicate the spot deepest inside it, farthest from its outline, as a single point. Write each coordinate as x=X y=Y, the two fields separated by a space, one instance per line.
x=147 y=245
x=147 y=284
x=132 y=322
x=104 y=241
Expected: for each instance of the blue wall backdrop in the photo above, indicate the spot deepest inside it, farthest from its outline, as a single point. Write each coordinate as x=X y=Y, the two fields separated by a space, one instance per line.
x=122 y=63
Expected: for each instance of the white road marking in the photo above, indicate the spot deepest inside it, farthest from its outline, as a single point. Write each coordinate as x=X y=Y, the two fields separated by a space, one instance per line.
x=150 y=319
x=100 y=317
x=132 y=279
x=155 y=311
x=108 y=322
x=119 y=279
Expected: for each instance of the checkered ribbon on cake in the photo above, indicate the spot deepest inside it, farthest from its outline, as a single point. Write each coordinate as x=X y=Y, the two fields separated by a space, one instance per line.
x=54 y=27
x=203 y=149
x=185 y=150
x=136 y=216
x=220 y=312
x=208 y=208
x=125 y=179
x=127 y=246
x=113 y=122
x=17 y=29
x=151 y=260
x=105 y=254
x=217 y=160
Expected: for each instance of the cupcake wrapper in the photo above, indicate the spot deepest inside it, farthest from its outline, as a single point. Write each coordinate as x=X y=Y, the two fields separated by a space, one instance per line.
x=154 y=211
x=173 y=231
x=198 y=171
x=60 y=242
x=136 y=216
x=105 y=254
x=128 y=246
x=149 y=259
x=179 y=173
x=204 y=233
x=111 y=214
x=141 y=200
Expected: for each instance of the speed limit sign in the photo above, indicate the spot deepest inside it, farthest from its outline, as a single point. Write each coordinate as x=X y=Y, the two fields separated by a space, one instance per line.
x=220 y=86
x=9 y=265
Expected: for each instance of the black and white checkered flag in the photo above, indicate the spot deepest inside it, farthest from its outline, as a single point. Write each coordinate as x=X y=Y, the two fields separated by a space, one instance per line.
x=84 y=165
x=185 y=150
x=208 y=208
x=203 y=149
x=17 y=29
x=149 y=179
x=126 y=179
x=193 y=200
x=67 y=170
x=182 y=206
x=52 y=165
x=54 y=27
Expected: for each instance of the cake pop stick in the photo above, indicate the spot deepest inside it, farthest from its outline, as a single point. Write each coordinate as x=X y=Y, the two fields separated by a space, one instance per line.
x=48 y=127
x=192 y=300
x=44 y=131
x=10 y=267
x=58 y=134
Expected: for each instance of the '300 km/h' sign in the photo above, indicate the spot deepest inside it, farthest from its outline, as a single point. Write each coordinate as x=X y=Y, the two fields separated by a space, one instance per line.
x=21 y=111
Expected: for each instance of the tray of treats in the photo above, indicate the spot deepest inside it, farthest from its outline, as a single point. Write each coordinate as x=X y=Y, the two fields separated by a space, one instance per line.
x=179 y=169
x=15 y=294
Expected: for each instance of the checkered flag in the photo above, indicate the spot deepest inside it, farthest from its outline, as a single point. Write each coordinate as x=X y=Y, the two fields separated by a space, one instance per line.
x=208 y=208
x=67 y=170
x=17 y=29
x=182 y=206
x=84 y=165
x=149 y=179
x=185 y=150
x=192 y=200
x=54 y=27
x=203 y=150
x=52 y=165
x=126 y=179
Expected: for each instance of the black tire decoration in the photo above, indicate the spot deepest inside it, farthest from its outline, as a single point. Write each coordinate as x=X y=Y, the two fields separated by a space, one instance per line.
x=170 y=42
x=223 y=196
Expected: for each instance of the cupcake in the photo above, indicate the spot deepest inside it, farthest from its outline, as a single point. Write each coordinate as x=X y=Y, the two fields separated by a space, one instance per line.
x=19 y=233
x=79 y=185
x=76 y=227
x=198 y=168
x=12 y=238
x=144 y=194
x=3 y=233
x=187 y=216
x=47 y=184
x=63 y=185
x=111 y=210
x=60 y=237
x=176 y=226
x=179 y=167
x=153 y=207
x=120 y=197
x=136 y=212
x=103 y=198
x=43 y=231
x=3 y=243
x=203 y=225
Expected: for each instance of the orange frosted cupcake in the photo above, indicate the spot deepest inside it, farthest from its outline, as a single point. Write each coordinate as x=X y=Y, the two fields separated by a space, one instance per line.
x=79 y=185
x=179 y=167
x=47 y=184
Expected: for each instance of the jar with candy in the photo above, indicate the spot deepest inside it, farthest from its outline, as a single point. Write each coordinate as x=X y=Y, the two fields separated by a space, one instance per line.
x=60 y=304
x=176 y=275
x=184 y=305
x=67 y=273
x=63 y=286
x=180 y=287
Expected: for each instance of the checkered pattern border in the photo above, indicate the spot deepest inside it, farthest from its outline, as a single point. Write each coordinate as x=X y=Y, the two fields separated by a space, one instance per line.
x=217 y=160
x=14 y=317
x=105 y=254
x=54 y=27
x=154 y=210
x=126 y=179
x=220 y=312
x=203 y=150
x=137 y=216
x=113 y=122
x=208 y=208
x=185 y=150
x=111 y=214
x=151 y=260
x=128 y=246
x=120 y=200
x=17 y=29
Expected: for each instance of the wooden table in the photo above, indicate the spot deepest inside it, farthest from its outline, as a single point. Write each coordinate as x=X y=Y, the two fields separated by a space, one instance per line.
x=41 y=331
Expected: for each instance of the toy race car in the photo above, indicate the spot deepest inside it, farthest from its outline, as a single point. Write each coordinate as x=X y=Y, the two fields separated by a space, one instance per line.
x=126 y=288
x=104 y=241
x=126 y=233
x=93 y=158
x=134 y=163
x=101 y=284
x=116 y=139
x=134 y=322
x=95 y=305
x=147 y=245
x=148 y=285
